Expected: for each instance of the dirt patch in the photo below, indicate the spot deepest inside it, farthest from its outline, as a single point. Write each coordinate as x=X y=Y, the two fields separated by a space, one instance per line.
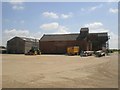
x=60 y=71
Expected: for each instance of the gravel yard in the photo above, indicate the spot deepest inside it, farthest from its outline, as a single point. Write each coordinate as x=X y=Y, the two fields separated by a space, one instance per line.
x=59 y=71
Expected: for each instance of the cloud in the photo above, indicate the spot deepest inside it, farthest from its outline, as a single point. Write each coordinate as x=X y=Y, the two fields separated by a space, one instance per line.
x=93 y=8
x=15 y=7
x=82 y=9
x=16 y=1
x=65 y=16
x=21 y=33
x=50 y=15
x=14 y=32
x=49 y=26
x=17 y=4
x=55 y=28
x=57 y=16
x=62 y=30
x=95 y=27
x=113 y=10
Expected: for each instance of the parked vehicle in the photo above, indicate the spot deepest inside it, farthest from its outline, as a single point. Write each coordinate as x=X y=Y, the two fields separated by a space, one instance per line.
x=83 y=54
x=99 y=53
x=89 y=53
x=73 y=50
x=33 y=51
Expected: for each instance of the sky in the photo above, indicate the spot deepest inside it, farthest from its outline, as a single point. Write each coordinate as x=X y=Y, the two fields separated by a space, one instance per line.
x=34 y=19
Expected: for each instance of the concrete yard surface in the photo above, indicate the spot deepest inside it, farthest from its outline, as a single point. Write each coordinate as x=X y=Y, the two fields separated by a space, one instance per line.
x=59 y=71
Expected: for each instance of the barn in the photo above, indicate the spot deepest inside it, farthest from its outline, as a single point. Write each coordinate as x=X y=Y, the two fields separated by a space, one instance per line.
x=58 y=43
x=21 y=45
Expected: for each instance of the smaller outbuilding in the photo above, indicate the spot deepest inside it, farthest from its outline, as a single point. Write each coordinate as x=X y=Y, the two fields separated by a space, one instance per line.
x=2 y=50
x=21 y=45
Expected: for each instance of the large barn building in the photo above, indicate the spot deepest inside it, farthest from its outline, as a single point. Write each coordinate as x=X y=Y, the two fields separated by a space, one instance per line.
x=21 y=45
x=58 y=43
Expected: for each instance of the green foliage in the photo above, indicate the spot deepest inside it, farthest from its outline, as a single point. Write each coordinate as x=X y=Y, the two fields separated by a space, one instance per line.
x=115 y=50
x=119 y=51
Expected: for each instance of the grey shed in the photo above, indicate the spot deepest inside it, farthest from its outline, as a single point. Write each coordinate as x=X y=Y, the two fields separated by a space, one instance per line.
x=21 y=45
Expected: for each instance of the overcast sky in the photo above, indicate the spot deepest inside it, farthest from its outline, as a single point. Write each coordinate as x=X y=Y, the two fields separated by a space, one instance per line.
x=33 y=19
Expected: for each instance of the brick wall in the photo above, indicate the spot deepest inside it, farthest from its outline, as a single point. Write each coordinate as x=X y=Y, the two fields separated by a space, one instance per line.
x=60 y=47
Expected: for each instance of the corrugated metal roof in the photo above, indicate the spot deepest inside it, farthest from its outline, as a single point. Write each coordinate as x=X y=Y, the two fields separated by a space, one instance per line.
x=69 y=37
x=99 y=34
x=59 y=37
x=29 y=39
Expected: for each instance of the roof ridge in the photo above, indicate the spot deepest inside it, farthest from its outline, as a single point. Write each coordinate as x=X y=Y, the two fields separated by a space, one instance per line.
x=28 y=38
x=98 y=33
x=61 y=34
